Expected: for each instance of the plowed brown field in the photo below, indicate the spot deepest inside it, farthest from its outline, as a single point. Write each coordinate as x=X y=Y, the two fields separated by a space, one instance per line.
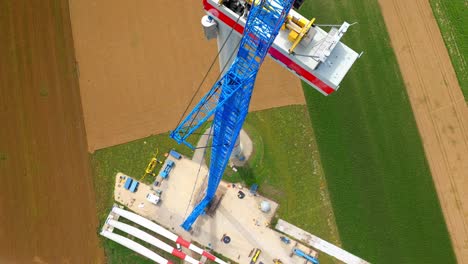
x=141 y=61
x=47 y=207
x=439 y=107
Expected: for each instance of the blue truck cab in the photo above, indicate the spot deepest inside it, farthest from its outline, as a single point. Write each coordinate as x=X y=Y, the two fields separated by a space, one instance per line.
x=169 y=165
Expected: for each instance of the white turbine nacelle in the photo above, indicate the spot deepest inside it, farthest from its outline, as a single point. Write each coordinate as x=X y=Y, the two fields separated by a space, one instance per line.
x=315 y=56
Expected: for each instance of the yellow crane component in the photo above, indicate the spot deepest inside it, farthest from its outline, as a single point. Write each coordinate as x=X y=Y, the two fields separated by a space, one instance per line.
x=297 y=36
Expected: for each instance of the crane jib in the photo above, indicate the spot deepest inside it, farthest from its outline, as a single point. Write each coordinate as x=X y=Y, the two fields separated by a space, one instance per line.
x=228 y=100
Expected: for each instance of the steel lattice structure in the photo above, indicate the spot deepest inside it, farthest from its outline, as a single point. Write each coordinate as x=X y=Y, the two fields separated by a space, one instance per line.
x=229 y=98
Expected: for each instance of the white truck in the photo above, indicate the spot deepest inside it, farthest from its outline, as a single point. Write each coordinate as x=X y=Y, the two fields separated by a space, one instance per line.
x=153 y=198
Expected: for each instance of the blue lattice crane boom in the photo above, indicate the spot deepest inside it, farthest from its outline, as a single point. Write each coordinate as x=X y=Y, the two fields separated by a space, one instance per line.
x=229 y=98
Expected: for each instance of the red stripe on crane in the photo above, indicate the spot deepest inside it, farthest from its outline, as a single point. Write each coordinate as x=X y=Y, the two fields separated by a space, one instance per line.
x=301 y=71
x=273 y=52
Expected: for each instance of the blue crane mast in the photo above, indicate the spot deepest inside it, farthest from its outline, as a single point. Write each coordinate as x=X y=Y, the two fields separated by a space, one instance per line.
x=229 y=98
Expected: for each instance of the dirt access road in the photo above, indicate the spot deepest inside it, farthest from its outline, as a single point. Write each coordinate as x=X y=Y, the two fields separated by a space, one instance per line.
x=47 y=207
x=439 y=107
x=141 y=61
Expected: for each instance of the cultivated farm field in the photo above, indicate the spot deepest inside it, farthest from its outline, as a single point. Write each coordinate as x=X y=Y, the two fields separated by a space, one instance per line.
x=452 y=17
x=140 y=62
x=438 y=105
x=47 y=206
x=382 y=192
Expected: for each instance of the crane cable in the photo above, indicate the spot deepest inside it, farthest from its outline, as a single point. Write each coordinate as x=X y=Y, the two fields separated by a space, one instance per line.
x=211 y=127
x=208 y=71
x=198 y=173
x=193 y=97
x=217 y=79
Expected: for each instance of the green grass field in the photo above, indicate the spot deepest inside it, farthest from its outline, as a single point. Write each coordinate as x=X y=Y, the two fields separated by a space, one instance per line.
x=286 y=164
x=288 y=168
x=452 y=17
x=385 y=204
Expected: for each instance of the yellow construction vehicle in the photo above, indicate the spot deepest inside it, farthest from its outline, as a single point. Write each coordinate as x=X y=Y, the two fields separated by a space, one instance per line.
x=256 y=255
x=152 y=165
